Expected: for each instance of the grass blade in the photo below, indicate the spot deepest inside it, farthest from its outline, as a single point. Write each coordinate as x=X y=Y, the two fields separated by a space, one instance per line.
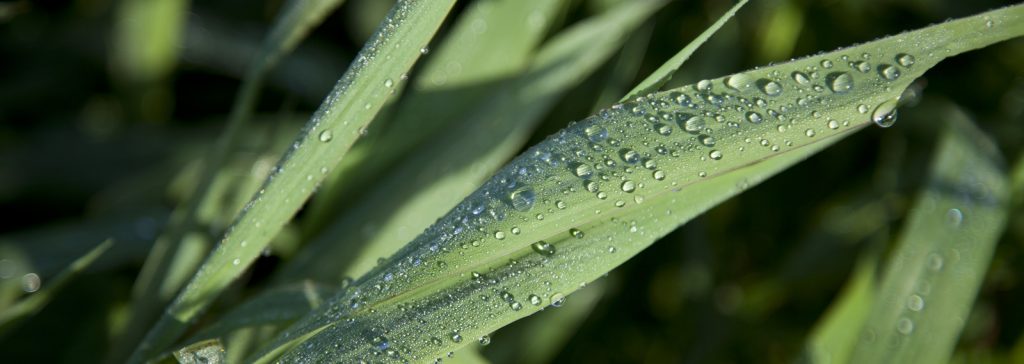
x=357 y=97
x=934 y=274
x=663 y=74
x=623 y=178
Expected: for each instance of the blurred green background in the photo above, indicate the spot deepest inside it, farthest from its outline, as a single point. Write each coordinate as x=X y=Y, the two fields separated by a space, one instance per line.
x=106 y=107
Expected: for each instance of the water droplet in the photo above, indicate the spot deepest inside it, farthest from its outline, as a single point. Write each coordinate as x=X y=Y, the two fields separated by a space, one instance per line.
x=905 y=60
x=485 y=340
x=576 y=233
x=801 y=78
x=888 y=72
x=769 y=87
x=704 y=85
x=424 y=50
x=388 y=83
x=534 y=300
x=629 y=156
x=826 y=64
x=583 y=170
x=863 y=109
x=738 y=82
x=715 y=154
x=611 y=249
x=663 y=129
x=935 y=262
x=691 y=124
x=522 y=199
x=861 y=66
x=885 y=113
x=596 y=133
x=543 y=248
x=954 y=217
x=832 y=124
x=591 y=186
x=809 y=133
x=500 y=235
x=515 y=306
x=989 y=23
x=30 y=282
x=435 y=341
x=915 y=303
x=557 y=299
x=516 y=231
x=905 y=326
x=659 y=175
x=628 y=186
x=236 y=261
x=839 y=82
x=326 y=136
x=456 y=337
x=754 y=117
x=707 y=140
x=560 y=204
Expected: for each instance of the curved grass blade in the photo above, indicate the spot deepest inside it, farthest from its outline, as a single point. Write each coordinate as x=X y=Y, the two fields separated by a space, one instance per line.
x=357 y=97
x=663 y=74
x=468 y=67
x=414 y=196
x=10 y=317
x=621 y=180
x=934 y=274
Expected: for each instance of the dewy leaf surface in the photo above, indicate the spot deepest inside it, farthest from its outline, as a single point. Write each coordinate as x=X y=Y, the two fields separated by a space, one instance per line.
x=589 y=197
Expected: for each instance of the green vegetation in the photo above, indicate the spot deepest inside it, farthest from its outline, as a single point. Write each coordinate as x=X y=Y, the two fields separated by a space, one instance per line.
x=850 y=206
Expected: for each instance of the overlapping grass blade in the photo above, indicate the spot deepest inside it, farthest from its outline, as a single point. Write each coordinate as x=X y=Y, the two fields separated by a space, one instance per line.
x=10 y=317
x=357 y=97
x=621 y=180
x=935 y=272
x=414 y=196
x=491 y=42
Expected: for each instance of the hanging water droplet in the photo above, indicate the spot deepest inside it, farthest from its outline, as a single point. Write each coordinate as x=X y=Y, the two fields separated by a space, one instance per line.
x=522 y=199
x=754 y=117
x=839 y=82
x=915 y=303
x=769 y=87
x=888 y=72
x=596 y=133
x=543 y=248
x=801 y=78
x=485 y=340
x=715 y=154
x=905 y=60
x=326 y=136
x=954 y=217
x=885 y=113
x=557 y=299
x=707 y=140
x=628 y=186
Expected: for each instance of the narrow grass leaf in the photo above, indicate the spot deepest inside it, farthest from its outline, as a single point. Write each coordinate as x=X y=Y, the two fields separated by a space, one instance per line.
x=357 y=97
x=206 y=352
x=10 y=317
x=663 y=74
x=414 y=197
x=589 y=197
x=935 y=272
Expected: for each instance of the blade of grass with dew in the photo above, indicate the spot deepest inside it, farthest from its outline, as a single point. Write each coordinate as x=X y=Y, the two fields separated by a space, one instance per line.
x=355 y=100
x=414 y=197
x=589 y=197
x=487 y=46
x=10 y=317
x=205 y=352
x=933 y=275
x=663 y=74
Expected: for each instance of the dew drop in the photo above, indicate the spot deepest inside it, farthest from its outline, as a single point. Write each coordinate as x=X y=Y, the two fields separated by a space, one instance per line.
x=576 y=233
x=596 y=133
x=754 y=117
x=801 y=78
x=31 y=282
x=326 y=136
x=663 y=129
x=534 y=300
x=628 y=186
x=691 y=124
x=500 y=235
x=832 y=124
x=522 y=199
x=560 y=204
x=954 y=217
x=738 y=82
x=704 y=85
x=905 y=60
x=905 y=326
x=935 y=262
x=885 y=114
x=543 y=248
x=707 y=140
x=236 y=262
x=583 y=170
x=659 y=175
x=888 y=72
x=861 y=66
x=863 y=109
x=424 y=50
x=915 y=303
x=769 y=87
x=839 y=82
x=826 y=64
x=456 y=337
x=557 y=299
x=715 y=154
x=388 y=83
x=809 y=133
x=629 y=156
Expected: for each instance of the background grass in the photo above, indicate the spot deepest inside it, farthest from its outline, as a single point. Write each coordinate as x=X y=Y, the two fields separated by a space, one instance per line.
x=83 y=158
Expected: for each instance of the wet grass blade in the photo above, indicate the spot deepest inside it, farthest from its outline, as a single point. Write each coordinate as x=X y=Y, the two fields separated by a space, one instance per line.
x=12 y=316
x=935 y=272
x=593 y=195
x=663 y=74
x=356 y=99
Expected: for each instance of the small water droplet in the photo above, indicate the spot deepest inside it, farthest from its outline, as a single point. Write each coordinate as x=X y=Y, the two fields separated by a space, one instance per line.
x=754 y=117
x=809 y=133
x=826 y=64
x=388 y=83
x=738 y=82
x=905 y=326
x=832 y=124
x=522 y=199
x=576 y=233
x=326 y=136
x=535 y=300
x=801 y=78
x=989 y=23
x=888 y=72
x=500 y=235
x=560 y=204
x=583 y=170
x=659 y=175
x=424 y=50
x=885 y=113
x=557 y=299
x=769 y=87
x=715 y=154
x=628 y=186
x=543 y=248
x=31 y=282
x=663 y=129
x=861 y=66
x=839 y=82
x=611 y=249
x=905 y=60
x=915 y=303
x=707 y=140
x=863 y=109
x=954 y=217
x=456 y=337
x=236 y=262
x=935 y=262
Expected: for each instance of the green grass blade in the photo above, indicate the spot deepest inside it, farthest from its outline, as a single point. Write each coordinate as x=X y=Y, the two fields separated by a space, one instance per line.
x=663 y=74
x=357 y=97
x=466 y=69
x=10 y=317
x=933 y=275
x=206 y=352
x=622 y=179
x=414 y=197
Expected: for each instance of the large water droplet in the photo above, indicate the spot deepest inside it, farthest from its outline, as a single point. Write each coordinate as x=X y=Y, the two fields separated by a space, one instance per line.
x=769 y=87
x=691 y=124
x=738 y=81
x=801 y=78
x=628 y=186
x=885 y=113
x=596 y=133
x=557 y=299
x=715 y=154
x=543 y=248
x=522 y=199
x=659 y=175
x=905 y=60
x=839 y=82
x=629 y=156
x=888 y=72
x=583 y=170
x=704 y=85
